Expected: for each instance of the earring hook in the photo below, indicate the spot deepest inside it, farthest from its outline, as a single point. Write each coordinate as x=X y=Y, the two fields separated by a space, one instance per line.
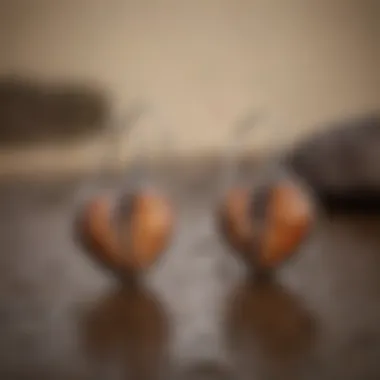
x=242 y=128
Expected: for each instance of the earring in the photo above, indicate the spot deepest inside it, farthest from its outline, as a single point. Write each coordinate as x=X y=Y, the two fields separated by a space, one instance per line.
x=127 y=231
x=266 y=222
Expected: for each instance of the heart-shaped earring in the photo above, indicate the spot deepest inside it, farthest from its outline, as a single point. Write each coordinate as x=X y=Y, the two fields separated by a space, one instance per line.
x=265 y=222
x=128 y=231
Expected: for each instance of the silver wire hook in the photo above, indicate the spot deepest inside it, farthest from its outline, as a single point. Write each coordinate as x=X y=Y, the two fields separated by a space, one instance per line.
x=243 y=126
x=141 y=167
x=117 y=126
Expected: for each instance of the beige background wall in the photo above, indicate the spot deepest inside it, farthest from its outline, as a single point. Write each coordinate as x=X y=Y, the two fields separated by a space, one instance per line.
x=202 y=63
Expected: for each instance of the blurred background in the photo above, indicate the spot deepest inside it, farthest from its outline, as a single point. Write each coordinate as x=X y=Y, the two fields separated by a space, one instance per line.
x=202 y=64
x=68 y=70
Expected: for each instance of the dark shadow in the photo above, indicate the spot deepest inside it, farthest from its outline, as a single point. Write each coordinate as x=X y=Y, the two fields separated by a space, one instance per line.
x=126 y=333
x=270 y=331
x=334 y=162
x=36 y=112
x=358 y=201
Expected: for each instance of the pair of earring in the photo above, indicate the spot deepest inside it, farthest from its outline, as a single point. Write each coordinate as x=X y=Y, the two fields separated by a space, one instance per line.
x=264 y=225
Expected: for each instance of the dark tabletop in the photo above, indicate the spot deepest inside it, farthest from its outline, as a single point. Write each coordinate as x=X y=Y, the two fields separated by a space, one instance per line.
x=195 y=315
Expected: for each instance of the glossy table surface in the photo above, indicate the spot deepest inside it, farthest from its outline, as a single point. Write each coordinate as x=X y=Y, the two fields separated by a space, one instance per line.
x=195 y=316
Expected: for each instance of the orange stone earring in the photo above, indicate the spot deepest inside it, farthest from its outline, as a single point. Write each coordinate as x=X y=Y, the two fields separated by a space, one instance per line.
x=266 y=222
x=128 y=231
